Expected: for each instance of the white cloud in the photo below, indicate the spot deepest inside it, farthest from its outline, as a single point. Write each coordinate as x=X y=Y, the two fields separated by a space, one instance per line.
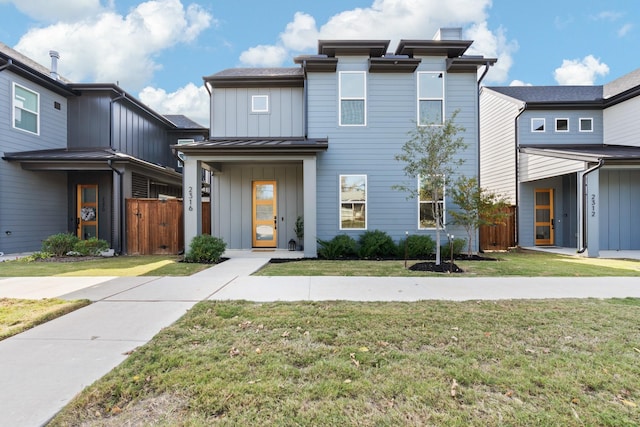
x=110 y=47
x=190 y=100
x=384 y=19
x=492 y=44
x=580 y=71
x=624 y=30
x=56 y=10
x=519 y=83
x=607 y=15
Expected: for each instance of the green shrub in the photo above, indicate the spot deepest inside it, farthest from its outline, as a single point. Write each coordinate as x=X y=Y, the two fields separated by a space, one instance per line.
x=59 y=244
x=205 y=249
x=458 y=246
x=341 y=246
x=377 y=244
x=419 y=246
x=36 y=256
x=90 y=247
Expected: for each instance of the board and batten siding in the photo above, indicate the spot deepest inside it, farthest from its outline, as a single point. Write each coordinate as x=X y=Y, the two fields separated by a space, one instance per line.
x=619 y=206
x=622 y=124
x=232 y=193
x=369 y=150
x=232 y=115
x=498 y=143
x=533 y=167
x=38 y=199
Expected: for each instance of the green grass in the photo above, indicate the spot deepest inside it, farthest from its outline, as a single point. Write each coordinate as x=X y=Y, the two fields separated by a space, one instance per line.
x=516 y=263
x=18 y=315
x=556 y=362
x=147 y=265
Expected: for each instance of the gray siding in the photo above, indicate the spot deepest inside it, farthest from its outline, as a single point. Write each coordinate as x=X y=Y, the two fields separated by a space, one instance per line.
x=498 y=144
x=232 y=115
x=622 y=124
x=370 y=150
x=33 y=203
x=620 y=203
x=534 y=167
x=231 y=191
x=551 y=137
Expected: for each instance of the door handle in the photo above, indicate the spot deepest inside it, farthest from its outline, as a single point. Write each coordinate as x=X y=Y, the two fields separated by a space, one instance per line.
x=553 y=224
x=275 y=222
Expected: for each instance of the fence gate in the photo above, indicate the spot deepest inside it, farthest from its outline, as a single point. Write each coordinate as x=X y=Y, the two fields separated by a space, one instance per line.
x=499 y=237
x=154 y=227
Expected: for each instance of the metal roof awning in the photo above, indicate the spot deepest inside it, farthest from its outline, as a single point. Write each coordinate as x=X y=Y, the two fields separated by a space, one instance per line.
x=586 y=153
x=252 y=146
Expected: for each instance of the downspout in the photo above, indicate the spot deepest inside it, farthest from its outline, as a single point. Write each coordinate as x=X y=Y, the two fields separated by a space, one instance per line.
x=486 y=70
x=583 y=244
x=516 y=125
x=487 y=65
x=7 y=65
x=305 y=90
x=121 y=205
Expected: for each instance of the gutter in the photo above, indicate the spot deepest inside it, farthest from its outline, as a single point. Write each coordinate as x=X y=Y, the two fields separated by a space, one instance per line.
x=7 y=65
x=121 y=232
x=487 y=65
x=582 y=237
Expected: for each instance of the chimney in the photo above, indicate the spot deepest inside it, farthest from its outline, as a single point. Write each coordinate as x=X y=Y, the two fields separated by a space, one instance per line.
x=54 y=64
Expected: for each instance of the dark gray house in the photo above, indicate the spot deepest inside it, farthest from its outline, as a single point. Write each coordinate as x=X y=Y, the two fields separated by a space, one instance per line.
x=569 y=158
x=318 y=141
x=73 y=153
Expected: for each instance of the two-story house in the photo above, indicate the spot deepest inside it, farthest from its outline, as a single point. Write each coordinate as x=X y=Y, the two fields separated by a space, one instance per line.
x=72 y=153
x=318 y=141
x=567 y=157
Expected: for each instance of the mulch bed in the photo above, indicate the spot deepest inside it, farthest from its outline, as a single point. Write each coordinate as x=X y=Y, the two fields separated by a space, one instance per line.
x=444 y=267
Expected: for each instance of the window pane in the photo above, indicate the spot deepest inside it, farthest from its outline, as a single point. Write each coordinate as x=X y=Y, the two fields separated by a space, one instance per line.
x=264 y=232
x=537 y=125
x=586 y=125
x=543 y=215
x=264 y=192
x=26 y=99
x=543 y=198
x=353 y=198
x=430 y=85
x=352 y=188
x=352 y=85
x=562 y=125
x=430 y=112
x=26 y=120
x=259 y=103
x=352 y=215
x=352 y=112
x=426 y=214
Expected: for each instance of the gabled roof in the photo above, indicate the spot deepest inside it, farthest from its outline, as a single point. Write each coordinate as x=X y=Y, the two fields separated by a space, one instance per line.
x=551 y=94
x=183 y=122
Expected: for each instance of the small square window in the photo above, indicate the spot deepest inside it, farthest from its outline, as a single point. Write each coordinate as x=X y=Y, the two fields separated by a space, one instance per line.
x=260 y=104
x=562 y=125
x=586 y=125
x=537 y=125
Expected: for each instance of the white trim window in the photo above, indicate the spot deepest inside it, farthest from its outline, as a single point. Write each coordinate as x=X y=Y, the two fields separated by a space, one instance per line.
x=537 y=125
x=586 y=124
x=353 y=202
x=353 y=98
x=180 y=154
x=26 y=109
x=260 y=103
x=562 y=125
x=426 y=215
x=430 y=98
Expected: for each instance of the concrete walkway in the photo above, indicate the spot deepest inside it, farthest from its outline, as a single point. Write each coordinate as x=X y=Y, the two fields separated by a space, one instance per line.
x=42 y=369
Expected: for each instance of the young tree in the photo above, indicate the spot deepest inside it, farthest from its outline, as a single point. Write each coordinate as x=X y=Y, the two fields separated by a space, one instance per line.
x=478 y=206
x=430 y=157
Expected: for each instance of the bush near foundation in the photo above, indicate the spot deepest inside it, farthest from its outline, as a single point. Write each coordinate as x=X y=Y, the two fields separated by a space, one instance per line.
x=59 y=244
x=205 y=249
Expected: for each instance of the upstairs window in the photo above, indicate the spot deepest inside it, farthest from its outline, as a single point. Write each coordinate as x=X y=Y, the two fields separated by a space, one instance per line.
x=353 y=202
x=353 y=100
x=586 y=125
x=562 y=125
x=537 y=125
x=26 y=107
x=426 y=201
x=430 y=98
x=260 y=104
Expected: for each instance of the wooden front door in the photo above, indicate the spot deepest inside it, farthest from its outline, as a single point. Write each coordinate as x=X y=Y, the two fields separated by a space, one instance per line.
x=265 y=214
x=87 y=211
x=544 y=217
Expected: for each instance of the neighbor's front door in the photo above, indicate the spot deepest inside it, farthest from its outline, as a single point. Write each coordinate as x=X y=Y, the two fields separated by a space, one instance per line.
x=265 y=215
x=544 y=218
x=87 y=215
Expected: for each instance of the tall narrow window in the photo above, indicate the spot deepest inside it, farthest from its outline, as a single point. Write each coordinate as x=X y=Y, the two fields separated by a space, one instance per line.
x=26 y=107
x=537 y=125
x=353 y=202
x=430 y=98
x=426 y=203
x=353 y=99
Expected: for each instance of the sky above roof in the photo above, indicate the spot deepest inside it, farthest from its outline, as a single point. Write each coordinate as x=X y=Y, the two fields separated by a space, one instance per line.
x=161 y=49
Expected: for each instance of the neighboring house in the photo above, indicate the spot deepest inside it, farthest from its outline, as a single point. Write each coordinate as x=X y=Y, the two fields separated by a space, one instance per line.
x=318 y=141
x=569 y=158
x=72 y=153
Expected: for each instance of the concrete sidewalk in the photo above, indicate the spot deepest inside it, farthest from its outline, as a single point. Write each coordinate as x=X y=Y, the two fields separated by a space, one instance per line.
x=42 y=369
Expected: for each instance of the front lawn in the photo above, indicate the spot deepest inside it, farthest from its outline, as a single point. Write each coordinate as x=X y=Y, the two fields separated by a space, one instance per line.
x=524 y=363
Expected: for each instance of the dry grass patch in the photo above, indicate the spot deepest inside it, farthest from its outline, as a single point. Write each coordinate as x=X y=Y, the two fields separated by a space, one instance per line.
x=560 y=362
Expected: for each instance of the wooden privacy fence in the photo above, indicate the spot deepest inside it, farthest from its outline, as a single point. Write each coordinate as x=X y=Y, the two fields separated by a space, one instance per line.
x=155 y=227
x=499 y=237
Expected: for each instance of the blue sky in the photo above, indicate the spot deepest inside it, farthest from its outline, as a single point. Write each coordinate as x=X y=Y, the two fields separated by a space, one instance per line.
x=159 y=50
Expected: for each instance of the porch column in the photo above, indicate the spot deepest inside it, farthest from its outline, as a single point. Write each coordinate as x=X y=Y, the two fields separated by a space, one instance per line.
x=592 y=208
x=192 y=199
x=309 y=189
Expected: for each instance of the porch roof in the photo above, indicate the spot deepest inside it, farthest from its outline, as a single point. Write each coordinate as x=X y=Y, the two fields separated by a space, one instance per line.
x=587 y=153
x=254 y=145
